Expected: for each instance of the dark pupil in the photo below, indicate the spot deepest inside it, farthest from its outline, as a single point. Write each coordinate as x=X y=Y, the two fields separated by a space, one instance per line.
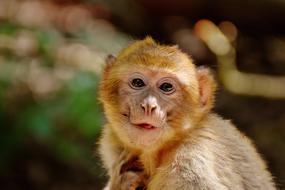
x=166 y=87
x=137 y=82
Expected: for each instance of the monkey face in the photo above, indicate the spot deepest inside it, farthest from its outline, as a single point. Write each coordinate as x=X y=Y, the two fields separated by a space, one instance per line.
x=148 y=100
x=151 y=93
x=145 y=102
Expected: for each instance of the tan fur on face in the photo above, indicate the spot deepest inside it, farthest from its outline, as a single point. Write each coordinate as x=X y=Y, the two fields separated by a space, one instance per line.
x=188 y=147
x=148 y=56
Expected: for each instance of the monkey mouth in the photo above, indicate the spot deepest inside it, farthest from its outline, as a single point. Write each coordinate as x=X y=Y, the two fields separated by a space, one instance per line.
x=145 y=126
x=141 y=125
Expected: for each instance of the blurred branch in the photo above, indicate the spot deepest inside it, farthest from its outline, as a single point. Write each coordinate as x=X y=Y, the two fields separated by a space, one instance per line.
x=234 y=80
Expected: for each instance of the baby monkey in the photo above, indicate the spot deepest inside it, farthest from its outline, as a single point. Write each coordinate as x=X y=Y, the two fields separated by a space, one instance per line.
x=161 y=133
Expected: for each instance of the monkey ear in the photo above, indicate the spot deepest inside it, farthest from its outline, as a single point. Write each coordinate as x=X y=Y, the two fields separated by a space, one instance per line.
x=110 y=59
x=207 y=87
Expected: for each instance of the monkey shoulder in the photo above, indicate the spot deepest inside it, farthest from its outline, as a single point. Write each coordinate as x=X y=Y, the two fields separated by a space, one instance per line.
x=218 y=155
x=109 y=148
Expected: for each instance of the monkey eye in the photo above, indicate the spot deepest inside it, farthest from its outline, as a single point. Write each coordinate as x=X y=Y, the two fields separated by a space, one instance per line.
x=137 y=83
x=167 y=86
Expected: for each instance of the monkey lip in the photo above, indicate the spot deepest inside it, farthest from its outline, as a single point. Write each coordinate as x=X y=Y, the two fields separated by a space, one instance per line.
x=145 y=126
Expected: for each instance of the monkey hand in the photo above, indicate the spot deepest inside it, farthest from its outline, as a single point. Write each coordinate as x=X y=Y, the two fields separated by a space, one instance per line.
x=132 y=175
x=133 y=181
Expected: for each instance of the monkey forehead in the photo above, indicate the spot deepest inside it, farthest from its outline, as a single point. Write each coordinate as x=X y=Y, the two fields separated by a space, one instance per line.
x=155 y=73
x=182 y=69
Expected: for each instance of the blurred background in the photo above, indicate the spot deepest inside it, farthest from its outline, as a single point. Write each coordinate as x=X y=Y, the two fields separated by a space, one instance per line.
x=52 y=52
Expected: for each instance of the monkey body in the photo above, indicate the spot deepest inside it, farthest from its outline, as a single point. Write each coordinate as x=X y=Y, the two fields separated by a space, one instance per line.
x=213 y=156
x=161 y=134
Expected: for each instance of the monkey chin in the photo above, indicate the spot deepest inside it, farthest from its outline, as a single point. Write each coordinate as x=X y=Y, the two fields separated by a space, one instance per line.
x=144 y=135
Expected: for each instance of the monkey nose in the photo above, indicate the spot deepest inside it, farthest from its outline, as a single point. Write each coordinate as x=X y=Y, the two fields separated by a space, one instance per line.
x=148 y=108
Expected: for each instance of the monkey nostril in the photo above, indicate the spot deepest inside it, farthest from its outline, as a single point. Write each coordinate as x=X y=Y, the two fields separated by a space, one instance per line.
x=143 y=106
x=152 y=107
x=148 y=108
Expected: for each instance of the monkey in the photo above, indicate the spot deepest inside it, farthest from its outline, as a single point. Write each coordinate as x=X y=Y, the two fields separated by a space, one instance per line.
x=161 y=132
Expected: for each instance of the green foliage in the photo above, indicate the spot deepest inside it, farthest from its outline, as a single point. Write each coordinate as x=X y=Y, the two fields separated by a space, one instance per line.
x=68 y=123
x=48 y=83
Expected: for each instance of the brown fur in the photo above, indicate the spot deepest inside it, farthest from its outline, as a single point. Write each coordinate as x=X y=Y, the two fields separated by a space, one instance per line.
x=193 y=148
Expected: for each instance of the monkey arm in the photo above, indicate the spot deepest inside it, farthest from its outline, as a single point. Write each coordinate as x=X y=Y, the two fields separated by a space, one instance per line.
x=112 y=156
x=124 y=169
x=109 y=150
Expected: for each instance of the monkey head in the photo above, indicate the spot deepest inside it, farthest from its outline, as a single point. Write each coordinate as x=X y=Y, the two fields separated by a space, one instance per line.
x=151 y=93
